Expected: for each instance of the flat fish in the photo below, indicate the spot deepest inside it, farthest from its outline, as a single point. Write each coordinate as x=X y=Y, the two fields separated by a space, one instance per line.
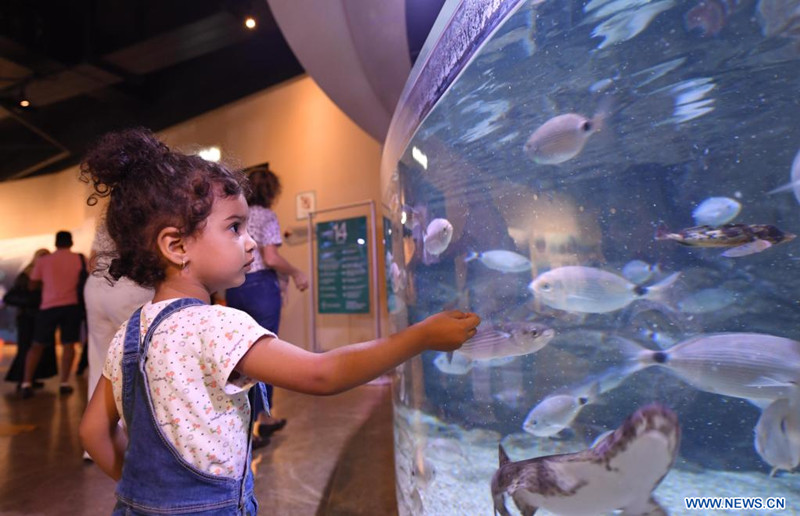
x=777 y=435
x=576 y=288
x=501 y=260
x=716 y=211
x=752 y=366
x=560 y=139
x=619 y=473
x=742 y=239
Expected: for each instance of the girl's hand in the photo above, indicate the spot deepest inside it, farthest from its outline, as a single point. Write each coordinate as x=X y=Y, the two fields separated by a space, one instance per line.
x=300 y=281
x=447 y=331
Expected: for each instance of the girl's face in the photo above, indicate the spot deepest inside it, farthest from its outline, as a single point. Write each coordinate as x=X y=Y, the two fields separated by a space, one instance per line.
x=220 y=254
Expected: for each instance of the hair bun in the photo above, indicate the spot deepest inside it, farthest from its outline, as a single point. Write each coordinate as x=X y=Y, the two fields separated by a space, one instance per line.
x=120 y=155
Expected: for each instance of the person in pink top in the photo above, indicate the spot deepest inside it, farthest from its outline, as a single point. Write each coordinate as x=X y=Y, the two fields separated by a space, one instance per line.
x=59 y=274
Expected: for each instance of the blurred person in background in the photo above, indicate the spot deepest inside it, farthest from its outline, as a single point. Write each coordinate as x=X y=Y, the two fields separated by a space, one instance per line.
x=26 y=301
x=260 y=295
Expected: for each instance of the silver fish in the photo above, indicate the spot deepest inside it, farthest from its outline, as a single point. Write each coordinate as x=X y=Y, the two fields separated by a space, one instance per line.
x=493 y=344
x=437 y=236
x=553 y=414
x=619 y=473
x=777 y=435
x=560 y=139
x=639 y=272
x=501 y=260
x=743 y=365
x=588 y=290
x=716 y=211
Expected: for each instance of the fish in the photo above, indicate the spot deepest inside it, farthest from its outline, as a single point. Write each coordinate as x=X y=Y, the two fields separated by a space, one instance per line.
x=501 y=260
x=575 y=288
x=493 y=344
x=456 y=364
x=619 y=473
x=741 y=239
x=752 y=366
x=437 y=236
x=777 y=435
x=716 y=211
x=709 y=17
x=561 y=138
x=554 y=413
x=639 y=272
x=557 y=411
x=706 y=300
x=794 y=179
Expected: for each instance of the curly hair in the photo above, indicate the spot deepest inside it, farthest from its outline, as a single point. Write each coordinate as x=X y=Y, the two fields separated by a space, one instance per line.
x=151 y=187
x=265 y=186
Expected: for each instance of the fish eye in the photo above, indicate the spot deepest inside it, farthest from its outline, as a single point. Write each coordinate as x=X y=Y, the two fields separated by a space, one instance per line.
x=534 y=332
x=546 y=287
x=587 y=126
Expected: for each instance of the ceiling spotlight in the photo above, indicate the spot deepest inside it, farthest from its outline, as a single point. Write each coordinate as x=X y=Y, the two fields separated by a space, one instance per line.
x=250 y=22
x=24 y=103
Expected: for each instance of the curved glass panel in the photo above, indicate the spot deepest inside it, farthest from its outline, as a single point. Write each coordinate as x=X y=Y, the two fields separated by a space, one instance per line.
x=613 y=187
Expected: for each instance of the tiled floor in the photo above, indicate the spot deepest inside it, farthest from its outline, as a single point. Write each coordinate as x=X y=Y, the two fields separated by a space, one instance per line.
x=334 y=457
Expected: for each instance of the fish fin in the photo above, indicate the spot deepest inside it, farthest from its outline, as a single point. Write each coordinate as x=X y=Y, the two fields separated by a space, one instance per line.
x=503 y=456
x=524 y=507
x=634 y=354
x=773 y=472
x=656 y=292
x=760 y=403
x=472 y=255
x=649 y=508
x=450 y=357
x=784 y=188
x=756 y=246
x=766 y=381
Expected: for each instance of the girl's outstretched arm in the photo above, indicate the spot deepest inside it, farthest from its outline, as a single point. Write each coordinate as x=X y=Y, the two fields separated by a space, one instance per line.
x=101 y=434
x=285 y=365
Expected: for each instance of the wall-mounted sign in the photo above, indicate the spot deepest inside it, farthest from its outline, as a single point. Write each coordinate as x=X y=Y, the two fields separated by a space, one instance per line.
x=305 y=202
x=343 y=267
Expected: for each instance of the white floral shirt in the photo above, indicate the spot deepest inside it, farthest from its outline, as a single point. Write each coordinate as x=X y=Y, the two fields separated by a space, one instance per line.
x=200 y=401
x=262 y=224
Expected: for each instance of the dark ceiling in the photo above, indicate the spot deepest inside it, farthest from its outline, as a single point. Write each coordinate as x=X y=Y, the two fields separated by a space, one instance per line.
x=90 y=66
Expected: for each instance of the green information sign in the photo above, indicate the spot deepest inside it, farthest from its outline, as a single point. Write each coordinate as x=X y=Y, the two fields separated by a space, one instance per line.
x=343 y=267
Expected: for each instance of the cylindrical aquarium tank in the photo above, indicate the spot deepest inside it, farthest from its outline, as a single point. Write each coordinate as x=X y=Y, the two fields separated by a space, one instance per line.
x=613 y=186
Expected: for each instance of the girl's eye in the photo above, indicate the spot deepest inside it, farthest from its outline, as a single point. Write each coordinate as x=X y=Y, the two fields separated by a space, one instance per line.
x=235 y=227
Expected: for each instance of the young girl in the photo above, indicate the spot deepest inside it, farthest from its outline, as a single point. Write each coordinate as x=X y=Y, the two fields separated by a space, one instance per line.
x=180 y=374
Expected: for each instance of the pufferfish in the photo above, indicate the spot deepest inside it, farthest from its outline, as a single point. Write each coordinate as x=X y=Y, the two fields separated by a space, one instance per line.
x=742 y=239
x=620 y=472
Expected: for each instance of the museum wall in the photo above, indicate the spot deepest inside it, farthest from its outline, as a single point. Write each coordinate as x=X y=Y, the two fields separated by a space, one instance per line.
x=306 y=139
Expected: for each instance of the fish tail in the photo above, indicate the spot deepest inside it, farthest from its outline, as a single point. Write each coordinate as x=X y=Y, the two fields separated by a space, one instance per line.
x=784 y=188
x=472 y=255
x=637 y=357
x=661 y=231
x=657 y=291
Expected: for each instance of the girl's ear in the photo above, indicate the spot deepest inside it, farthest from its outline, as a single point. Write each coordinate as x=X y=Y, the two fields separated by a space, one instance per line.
x=172 y=245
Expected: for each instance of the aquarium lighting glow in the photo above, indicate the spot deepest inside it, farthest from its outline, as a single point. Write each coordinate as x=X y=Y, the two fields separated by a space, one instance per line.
x=419 y=157
x=403 y=217
x=361 y=241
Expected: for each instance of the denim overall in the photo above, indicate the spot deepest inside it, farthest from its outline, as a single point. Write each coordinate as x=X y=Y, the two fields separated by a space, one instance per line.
x=156 y=480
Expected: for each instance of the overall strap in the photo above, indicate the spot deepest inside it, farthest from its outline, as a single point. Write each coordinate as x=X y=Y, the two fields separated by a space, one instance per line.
x=136 y=348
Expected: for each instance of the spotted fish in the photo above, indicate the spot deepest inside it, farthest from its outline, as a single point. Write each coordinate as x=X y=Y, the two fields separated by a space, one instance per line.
x=619 y=473
x=741 y=239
